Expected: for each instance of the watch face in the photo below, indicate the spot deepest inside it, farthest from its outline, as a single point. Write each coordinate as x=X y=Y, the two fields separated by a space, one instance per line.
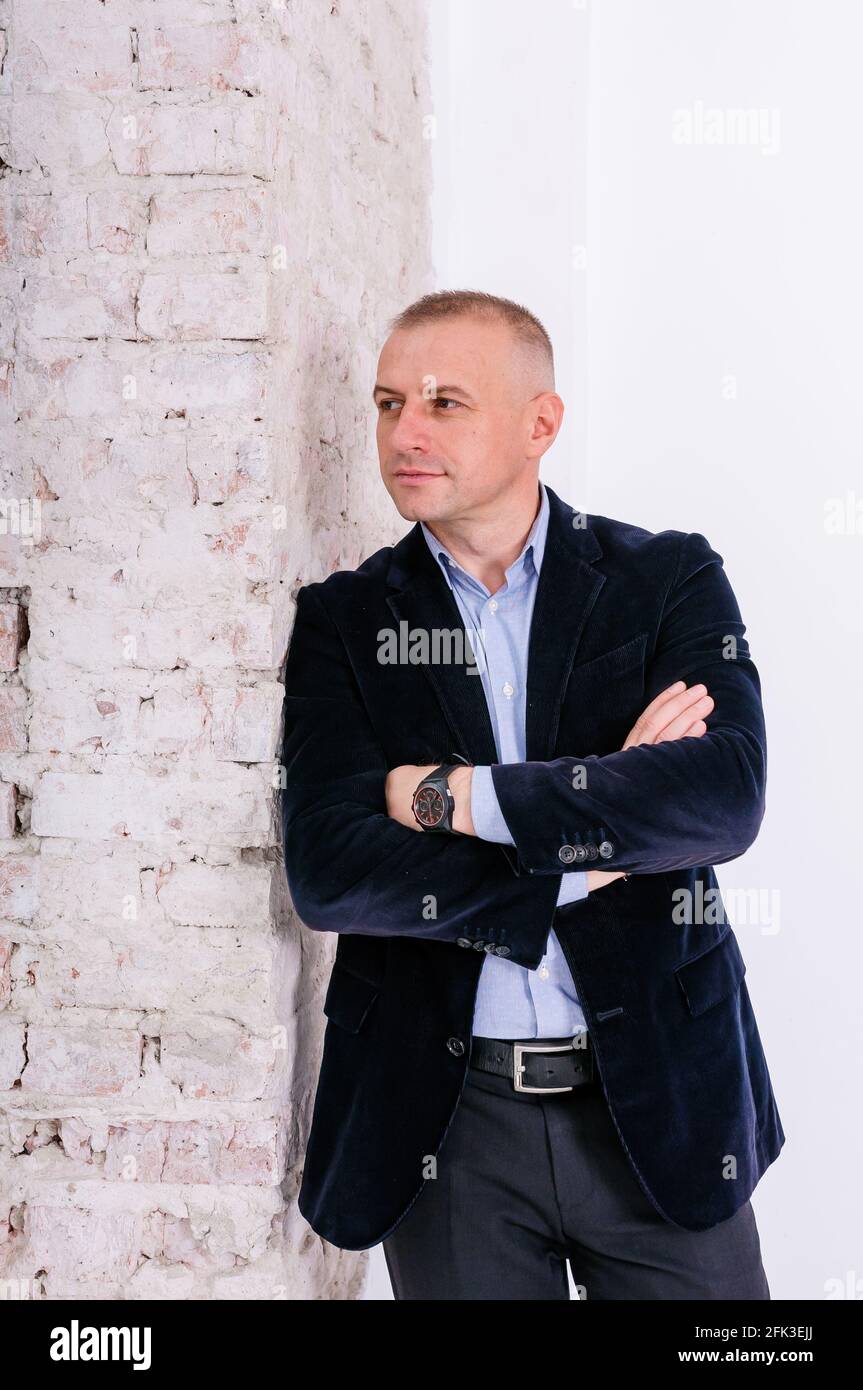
x=429 y=806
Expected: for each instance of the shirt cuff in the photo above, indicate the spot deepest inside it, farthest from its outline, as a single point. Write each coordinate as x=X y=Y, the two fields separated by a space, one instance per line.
x=487 y=817
x=573 y=887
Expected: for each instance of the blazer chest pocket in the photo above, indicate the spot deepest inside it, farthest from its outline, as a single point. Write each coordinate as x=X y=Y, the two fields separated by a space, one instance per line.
x=604 y=670
x=349 y=999
x=712 y=976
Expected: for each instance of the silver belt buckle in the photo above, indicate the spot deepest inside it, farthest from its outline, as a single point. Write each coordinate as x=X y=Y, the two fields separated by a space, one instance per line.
x=518 y=1049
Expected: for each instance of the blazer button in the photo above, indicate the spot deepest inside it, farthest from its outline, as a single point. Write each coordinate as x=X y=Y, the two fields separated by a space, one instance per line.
x=455 y=1045
x=478 y=945
x=566 y=854
x=463 y=941
x=580 y=854
x=606 y=849
x=592 y=851
x=490 y=948
x=501 y=950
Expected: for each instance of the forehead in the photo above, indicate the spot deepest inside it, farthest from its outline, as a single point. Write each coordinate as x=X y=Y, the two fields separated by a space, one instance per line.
x=464 y=349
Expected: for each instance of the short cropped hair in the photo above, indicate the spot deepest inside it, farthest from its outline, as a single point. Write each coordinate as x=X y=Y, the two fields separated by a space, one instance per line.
x=525 y=326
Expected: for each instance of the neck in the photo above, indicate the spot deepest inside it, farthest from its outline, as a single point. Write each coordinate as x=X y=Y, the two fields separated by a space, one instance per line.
x=486 y=546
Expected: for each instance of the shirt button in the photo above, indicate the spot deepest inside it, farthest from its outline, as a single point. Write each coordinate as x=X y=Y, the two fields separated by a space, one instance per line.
x=508 y=690
x=543 y=972
x=492 y=605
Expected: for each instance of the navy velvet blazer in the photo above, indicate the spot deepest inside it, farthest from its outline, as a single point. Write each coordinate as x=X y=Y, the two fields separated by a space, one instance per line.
x=620 y=614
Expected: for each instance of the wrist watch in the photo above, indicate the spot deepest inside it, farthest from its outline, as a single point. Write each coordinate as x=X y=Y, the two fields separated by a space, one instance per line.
x=433 y=803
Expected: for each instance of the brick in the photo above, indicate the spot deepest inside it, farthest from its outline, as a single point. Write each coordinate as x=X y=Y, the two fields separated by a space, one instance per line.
x=116 y=221
x=195 y=1152
x=209 y=222
x=230 y=135
x=69 y=58
x=216 y=56
x=227 y=638
x=89 y=1062
x=19 y=886
x=224 y=805
x=81 y=1244
x=12 y=1055
x=226 y=464
x=216 y=1059
x=8 y=810
x=5 y=970
x=13 y=727
x=96 y=304
x=193 y=971
x=245 y=722
x=214 y=896
x=42 y=224
x=222 y=304
x=55 y=134
x=11 y=635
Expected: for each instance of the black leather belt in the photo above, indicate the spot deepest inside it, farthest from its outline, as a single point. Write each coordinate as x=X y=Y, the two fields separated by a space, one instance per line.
x=537 y=1064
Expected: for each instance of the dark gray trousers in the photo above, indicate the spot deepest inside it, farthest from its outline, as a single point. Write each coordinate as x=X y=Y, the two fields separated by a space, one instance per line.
x=526 y=1182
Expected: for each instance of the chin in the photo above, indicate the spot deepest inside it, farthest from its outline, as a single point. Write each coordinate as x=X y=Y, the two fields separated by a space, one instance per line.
x=410 y=512
x=416 y=508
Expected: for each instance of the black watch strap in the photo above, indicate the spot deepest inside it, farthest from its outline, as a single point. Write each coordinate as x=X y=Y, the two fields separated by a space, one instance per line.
x=439 y=774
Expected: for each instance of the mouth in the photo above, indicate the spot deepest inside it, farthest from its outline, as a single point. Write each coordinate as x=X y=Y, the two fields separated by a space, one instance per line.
x=414 y=476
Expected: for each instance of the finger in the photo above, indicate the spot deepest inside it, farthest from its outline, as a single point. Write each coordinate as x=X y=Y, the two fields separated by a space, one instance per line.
x=679 y=728
x=694 y=731
x=668 y=693
x=660 y=712
x=672 y=705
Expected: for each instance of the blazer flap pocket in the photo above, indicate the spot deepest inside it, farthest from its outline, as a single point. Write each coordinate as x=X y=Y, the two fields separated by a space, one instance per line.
x=609 y=665
x=713 y=975
x=348 y=999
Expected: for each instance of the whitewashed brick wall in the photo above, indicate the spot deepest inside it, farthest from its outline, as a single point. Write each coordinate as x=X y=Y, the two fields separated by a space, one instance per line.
x=208 y=211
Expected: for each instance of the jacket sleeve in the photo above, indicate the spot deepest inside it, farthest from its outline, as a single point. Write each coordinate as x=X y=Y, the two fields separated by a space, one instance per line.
x=350 y=867
x=659 y=807
x=489 y=824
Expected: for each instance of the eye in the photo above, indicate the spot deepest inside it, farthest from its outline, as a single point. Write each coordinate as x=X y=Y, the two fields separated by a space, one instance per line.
x=437 y=401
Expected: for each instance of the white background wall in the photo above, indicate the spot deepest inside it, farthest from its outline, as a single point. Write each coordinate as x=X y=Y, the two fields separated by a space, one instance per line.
x=709 y=354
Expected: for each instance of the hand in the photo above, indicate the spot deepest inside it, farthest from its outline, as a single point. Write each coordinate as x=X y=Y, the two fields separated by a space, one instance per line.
x=403 y=781
x=598 y=878
x=675 y=713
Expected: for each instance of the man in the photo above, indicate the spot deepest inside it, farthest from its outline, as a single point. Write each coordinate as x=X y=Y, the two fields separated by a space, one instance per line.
x=540 y=1045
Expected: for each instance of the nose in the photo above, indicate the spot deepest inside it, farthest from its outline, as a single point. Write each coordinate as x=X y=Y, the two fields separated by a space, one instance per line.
x=410 y=431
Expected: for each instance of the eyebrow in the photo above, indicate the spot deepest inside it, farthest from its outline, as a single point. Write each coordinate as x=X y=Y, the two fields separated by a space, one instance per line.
x=441 y=391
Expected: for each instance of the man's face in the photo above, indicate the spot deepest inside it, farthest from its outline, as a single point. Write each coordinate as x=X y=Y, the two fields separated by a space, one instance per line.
x=454 y=418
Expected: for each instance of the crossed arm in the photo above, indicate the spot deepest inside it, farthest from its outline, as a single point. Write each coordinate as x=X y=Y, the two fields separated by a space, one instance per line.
x=677 y=712
x=676 y=803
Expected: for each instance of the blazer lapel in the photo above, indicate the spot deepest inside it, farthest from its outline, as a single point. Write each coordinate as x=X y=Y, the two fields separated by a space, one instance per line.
x=567 y=589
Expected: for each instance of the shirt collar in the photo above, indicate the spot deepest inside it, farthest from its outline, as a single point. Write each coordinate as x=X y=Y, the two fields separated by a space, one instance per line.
x=535 y=545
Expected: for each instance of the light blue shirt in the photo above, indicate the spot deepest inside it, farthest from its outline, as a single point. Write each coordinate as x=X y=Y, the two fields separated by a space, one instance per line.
x=512 y=1001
